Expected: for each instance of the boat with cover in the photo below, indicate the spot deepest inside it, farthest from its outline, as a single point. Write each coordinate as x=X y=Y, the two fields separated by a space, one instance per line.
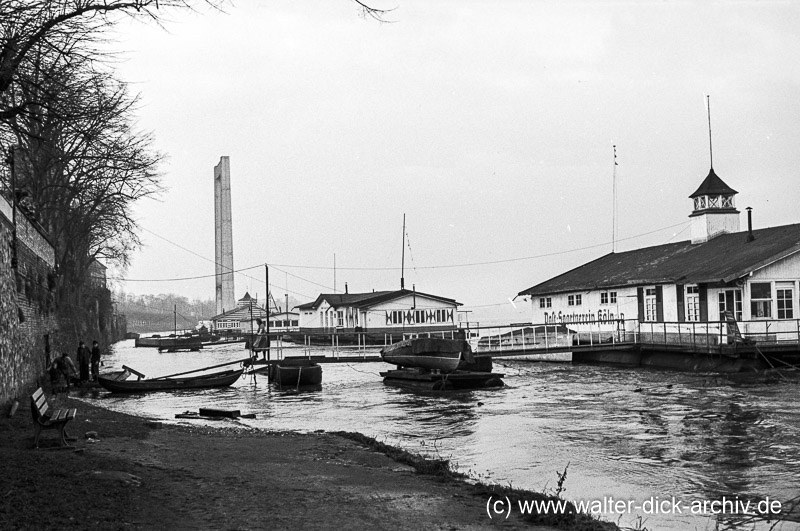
x=431 y=353
x=121 y=381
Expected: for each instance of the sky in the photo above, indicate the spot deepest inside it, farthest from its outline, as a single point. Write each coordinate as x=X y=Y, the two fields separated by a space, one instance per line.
x=488 y=125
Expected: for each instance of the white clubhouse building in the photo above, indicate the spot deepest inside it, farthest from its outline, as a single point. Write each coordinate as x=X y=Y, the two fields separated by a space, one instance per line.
x=722 y=273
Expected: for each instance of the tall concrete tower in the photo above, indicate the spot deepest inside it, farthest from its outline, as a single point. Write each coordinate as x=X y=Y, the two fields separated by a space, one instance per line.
x=223 y=235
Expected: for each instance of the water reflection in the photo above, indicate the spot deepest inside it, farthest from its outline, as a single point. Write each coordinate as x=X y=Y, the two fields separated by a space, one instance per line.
x=630 y=434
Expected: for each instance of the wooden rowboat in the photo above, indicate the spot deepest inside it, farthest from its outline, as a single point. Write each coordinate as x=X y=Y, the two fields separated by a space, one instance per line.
x=121 y=381
x=431 y=353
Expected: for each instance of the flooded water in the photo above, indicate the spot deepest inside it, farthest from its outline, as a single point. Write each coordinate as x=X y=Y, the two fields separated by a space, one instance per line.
x=669 y=446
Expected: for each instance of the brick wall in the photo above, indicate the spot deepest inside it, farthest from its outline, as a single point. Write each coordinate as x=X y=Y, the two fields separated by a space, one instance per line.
x=27 y=307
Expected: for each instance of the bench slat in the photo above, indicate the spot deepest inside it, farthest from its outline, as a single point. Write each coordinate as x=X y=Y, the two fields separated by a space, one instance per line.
x=41 y=404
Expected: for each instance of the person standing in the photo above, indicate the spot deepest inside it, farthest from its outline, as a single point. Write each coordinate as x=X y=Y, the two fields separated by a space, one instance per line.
x=95 y=359
x=83 y=361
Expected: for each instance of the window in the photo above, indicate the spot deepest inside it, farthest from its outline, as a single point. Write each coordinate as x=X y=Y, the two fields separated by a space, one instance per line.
x=546 y=302
x=577 y=300
x=727 y=201
x=692 y=303
x=339 y=318
x=650 y=311
x=419 y=316
x=730 y=300
x=571 y=300
x=608 y=297
x=760 y=300
x=784 y=299
x=397 y=317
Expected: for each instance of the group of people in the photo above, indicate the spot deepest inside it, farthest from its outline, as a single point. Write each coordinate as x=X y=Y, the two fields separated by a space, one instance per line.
x=63 y=369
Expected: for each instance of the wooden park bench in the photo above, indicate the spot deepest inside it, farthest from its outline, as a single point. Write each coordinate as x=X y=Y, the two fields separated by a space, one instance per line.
x=44 y=418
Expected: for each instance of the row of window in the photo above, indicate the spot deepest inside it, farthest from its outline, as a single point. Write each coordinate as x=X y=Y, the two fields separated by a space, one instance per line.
x=761 y=299
x=713 y=201
x=419 y=316
x=400 y=317
x=606 y=297
x=287 y=323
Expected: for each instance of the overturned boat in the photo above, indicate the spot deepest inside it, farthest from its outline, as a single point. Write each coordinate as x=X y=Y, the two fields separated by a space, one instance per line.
x=432 y=353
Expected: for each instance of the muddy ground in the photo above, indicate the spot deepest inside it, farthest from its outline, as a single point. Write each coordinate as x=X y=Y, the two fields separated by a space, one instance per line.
x=142 y=474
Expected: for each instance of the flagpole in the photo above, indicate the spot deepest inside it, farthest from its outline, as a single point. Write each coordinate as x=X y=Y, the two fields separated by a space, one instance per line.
x=614 y=204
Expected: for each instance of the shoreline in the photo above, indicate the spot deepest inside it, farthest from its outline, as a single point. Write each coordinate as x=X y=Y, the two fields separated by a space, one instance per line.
x=137 y=473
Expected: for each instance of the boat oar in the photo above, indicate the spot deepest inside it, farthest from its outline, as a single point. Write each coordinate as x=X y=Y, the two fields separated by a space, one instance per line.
x=201 y=369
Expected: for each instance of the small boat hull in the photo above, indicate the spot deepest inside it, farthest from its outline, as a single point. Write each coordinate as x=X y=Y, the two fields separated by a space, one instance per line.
x=296 y=373
x=431 y=353
x=171 y=344
x=117 y=382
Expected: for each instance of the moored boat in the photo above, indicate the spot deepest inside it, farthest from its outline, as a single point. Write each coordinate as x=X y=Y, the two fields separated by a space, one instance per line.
x=171 y=343
x=432 y=353
x=296 y=372
x=121 y=381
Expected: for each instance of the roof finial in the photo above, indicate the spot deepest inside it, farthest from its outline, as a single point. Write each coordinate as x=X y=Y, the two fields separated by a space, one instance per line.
x=710 y=151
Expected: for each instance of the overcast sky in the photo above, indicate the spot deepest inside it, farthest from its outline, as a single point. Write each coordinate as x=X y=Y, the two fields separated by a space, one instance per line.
x=489 y=124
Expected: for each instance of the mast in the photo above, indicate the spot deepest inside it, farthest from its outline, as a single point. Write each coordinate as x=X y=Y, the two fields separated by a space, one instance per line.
x=403 y=259
x=266 y=355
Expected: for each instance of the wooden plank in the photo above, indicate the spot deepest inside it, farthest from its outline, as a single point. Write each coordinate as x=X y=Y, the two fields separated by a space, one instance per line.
x=133 y=371
x=213 y=412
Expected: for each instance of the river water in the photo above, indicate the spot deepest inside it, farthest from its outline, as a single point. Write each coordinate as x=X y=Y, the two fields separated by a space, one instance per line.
x=647 y=448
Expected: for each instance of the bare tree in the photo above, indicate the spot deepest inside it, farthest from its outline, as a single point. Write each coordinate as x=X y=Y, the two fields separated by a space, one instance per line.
x=26 y=24
x=84 y=162
x=81 y=161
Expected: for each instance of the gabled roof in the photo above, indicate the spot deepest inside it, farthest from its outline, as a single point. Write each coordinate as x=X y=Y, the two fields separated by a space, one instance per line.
x=724 y=259
x=366 y=300
x=713 y=185
x=242 y=313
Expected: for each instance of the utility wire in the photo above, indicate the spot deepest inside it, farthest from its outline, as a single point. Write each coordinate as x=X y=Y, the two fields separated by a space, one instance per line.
x=445 y=266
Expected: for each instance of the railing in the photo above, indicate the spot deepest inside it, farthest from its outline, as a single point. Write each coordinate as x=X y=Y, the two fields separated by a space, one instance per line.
x=709 y=337
x=696 y=336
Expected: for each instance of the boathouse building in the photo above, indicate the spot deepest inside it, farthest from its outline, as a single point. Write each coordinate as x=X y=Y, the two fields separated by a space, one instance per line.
x=689 y=290
x=379 y=312
x=242 y=318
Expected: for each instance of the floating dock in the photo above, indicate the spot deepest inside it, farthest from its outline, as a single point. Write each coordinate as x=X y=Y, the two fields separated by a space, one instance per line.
x=423 y=380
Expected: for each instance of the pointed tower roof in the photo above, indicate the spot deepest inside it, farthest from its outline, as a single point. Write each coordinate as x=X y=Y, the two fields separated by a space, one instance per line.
x=713 y=185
